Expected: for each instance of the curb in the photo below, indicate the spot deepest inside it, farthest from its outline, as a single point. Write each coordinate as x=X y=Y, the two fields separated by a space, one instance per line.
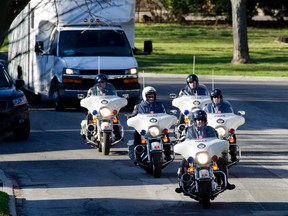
x=8 y=188
x=209 y=77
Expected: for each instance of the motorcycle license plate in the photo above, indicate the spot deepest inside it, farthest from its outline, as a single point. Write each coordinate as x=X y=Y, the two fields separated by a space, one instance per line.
x=156 y=146
x=203 y=173
x=106 y=126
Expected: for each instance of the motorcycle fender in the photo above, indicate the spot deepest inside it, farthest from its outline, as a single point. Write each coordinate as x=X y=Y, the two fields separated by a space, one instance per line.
x=106 y=126
x=156 y=146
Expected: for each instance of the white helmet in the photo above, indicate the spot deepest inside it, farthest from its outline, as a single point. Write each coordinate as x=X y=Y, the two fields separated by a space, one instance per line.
x=148 y=90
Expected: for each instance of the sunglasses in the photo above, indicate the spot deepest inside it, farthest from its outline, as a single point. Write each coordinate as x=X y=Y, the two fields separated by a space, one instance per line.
x=150 y=96
x=199 y=119
x=216 y=96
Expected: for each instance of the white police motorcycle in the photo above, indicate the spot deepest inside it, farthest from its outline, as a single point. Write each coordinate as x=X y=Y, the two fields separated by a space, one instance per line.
x=154 y=131
x=199 y=176
x=226 y=125
x=187 y=104
x=98 y=128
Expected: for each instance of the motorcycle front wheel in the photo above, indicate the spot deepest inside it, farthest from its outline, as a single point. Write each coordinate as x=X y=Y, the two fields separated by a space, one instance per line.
x=156 y=164
x=106 y=143
x=204 y=194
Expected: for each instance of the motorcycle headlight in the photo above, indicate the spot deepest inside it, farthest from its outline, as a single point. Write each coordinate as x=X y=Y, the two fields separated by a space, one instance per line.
x=105 y=112
x=202 y=157
x=221 y=131
x=154 y=131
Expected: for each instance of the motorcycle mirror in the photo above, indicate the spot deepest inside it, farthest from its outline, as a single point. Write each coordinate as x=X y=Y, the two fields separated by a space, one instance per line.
x=173 y=112
x=241 y=112
x=172 y=95
x=80 y=96
x=125 y=96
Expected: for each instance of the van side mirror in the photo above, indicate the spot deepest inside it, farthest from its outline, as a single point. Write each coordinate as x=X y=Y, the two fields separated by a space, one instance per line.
x=148 y=47
x=39 y=47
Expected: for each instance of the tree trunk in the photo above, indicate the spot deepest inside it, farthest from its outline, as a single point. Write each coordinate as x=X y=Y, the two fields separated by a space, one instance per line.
x=240 y=38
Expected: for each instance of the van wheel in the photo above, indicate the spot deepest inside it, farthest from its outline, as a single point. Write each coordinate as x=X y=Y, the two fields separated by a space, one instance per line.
x=58 y=102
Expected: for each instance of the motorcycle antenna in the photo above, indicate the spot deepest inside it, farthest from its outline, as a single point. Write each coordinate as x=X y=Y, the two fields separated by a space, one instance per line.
x=143 y=80
x=98 y=64
x=213 y=79
x=193 y=69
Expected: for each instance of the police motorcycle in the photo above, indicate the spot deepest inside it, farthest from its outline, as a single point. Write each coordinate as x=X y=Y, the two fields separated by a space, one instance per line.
x=154 y=131
x=199 y=176
x=99 y=129
x=226 y=125
x=187 y=104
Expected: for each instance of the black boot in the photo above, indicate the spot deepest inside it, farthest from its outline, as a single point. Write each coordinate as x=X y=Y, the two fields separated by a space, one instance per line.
x=178 y=190
x=230 y=186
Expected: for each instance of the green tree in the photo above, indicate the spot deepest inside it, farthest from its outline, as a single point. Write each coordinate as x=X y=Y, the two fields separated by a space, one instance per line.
x=9 y=9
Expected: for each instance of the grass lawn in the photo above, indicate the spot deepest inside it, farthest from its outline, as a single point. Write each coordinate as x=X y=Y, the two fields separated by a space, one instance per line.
x=176 y=46
x=4 y=204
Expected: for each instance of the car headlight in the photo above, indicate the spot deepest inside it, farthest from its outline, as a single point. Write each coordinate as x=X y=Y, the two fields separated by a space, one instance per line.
x=105 y=112
x=19 y=101
x=221 y=131
x=202 y=157
x=154 y=131
x=70 y=71
x=132 y=71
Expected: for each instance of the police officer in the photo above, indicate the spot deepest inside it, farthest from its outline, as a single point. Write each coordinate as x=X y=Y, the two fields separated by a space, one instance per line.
x=218 y=105
x=101 y=87
x=192 y=87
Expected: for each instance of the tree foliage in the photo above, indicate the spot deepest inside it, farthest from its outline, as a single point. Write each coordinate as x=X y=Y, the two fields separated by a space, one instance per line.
x=9 y=9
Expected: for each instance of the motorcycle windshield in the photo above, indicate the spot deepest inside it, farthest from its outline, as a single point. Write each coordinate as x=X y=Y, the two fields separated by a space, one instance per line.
x=144 y=121
x=229 y=120
x=190 y=102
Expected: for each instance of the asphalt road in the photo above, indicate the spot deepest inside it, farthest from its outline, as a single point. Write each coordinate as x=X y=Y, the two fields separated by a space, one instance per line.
x=56 y=173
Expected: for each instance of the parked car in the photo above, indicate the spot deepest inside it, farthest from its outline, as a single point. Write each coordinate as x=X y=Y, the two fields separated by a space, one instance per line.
x=14 y=107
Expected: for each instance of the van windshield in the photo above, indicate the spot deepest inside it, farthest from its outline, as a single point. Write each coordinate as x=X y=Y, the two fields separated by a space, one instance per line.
x=94 y=43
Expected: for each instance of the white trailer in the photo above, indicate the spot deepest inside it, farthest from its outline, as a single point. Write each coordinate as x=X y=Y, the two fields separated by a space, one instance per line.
x=59 y=46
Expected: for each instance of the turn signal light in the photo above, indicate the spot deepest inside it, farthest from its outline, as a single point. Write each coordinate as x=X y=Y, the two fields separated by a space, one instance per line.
x=133 y=80
x=190 y=169
x=215 y=167
x=231 y=140
x=115 y=120
x=143 y=141
x=165 y=140
x=74 y=81
x=186 y=121
x=94 y=120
